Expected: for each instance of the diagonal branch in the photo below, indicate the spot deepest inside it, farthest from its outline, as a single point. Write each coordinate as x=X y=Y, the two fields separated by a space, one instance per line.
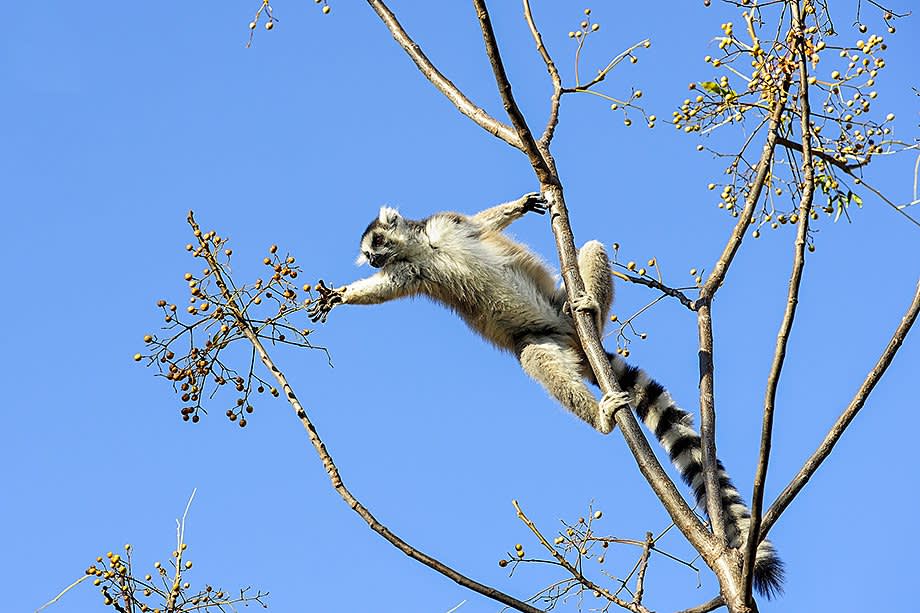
x=827 y=445
x=684 y=517
x=442 y=83
x=328 y=464
x=792 y=301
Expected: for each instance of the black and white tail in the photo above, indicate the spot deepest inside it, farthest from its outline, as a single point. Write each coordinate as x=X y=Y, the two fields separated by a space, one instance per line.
x=673 y=427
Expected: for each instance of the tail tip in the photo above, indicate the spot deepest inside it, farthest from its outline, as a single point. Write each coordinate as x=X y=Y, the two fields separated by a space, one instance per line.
x=768 y=577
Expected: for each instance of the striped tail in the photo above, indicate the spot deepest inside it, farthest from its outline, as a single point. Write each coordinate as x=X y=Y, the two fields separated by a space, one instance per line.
x=673 y=427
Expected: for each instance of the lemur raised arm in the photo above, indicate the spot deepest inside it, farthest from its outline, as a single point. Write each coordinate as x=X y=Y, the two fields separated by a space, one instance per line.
x=507 y=294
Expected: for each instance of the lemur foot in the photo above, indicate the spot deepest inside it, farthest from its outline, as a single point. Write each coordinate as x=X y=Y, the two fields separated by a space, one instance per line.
x=328 y=298
x=585 y=303
x=609 y=404
x=534 y=202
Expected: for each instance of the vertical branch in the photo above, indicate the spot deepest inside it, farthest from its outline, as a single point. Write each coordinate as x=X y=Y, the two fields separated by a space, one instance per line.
x=704 y=317
x=708 y=424
x=792 y=300
x=827 y=445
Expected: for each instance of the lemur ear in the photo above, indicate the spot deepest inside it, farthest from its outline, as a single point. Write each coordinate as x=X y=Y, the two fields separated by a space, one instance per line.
x=388 y=216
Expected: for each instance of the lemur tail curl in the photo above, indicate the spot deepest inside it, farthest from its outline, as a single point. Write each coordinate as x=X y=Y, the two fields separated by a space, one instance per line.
x=673 y=427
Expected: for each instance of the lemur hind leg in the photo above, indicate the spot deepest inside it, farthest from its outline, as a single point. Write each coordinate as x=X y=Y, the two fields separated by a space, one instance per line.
x=594 y=266
x=558 y=368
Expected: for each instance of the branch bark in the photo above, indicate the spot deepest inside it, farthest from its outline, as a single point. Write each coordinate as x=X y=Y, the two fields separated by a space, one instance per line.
x=827 y=445
x=324 y=456
x=792 y=301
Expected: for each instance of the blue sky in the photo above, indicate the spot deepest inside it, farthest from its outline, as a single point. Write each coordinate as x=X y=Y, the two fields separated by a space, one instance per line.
x=122 y=116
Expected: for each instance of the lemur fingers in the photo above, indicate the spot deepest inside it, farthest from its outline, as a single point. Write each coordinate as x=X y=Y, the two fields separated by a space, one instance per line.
x=609 y=404
x=534 y=202
x=328 y=298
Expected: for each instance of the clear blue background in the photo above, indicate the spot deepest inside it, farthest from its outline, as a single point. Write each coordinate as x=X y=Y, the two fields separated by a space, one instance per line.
x=119 y=117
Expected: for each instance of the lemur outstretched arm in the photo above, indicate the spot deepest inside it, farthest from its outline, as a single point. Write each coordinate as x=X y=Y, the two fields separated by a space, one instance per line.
x=499 y=217
x=395 y=282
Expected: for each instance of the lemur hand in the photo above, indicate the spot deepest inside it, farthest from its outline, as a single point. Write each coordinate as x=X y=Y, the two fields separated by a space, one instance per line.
x=534 y=202
x=328 y=298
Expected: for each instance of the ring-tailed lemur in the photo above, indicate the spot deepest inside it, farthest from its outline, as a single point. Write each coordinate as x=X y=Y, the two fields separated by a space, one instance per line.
x=507 y=294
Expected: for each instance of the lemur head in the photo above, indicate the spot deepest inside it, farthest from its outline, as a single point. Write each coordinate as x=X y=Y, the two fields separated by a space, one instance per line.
x=389 y=238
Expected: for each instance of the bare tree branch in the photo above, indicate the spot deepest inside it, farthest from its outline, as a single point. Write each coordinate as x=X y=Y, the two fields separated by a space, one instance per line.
x=328 y=463
x=827 y=445
x=442 y=83
x=792 y=301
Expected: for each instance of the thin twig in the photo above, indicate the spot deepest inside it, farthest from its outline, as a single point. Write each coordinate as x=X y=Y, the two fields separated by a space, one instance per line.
x=827 y=445
x=328 y=463
x=64 y=591
x=652 y=283
x=553 y=75
x=792 y=301
x=635 y=607
x=643 y=567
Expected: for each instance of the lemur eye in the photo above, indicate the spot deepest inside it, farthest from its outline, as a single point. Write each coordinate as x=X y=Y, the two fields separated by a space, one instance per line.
x=376 y=240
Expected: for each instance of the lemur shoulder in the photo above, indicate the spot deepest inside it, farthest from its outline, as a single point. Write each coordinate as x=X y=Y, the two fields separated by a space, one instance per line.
x=508 y=295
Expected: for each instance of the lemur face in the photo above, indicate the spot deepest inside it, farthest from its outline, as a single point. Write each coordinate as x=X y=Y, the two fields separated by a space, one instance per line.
x=383 y=239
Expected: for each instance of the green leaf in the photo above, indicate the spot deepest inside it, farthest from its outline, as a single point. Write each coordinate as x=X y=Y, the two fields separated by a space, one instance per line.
x=712 y=87
x=855 y=198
